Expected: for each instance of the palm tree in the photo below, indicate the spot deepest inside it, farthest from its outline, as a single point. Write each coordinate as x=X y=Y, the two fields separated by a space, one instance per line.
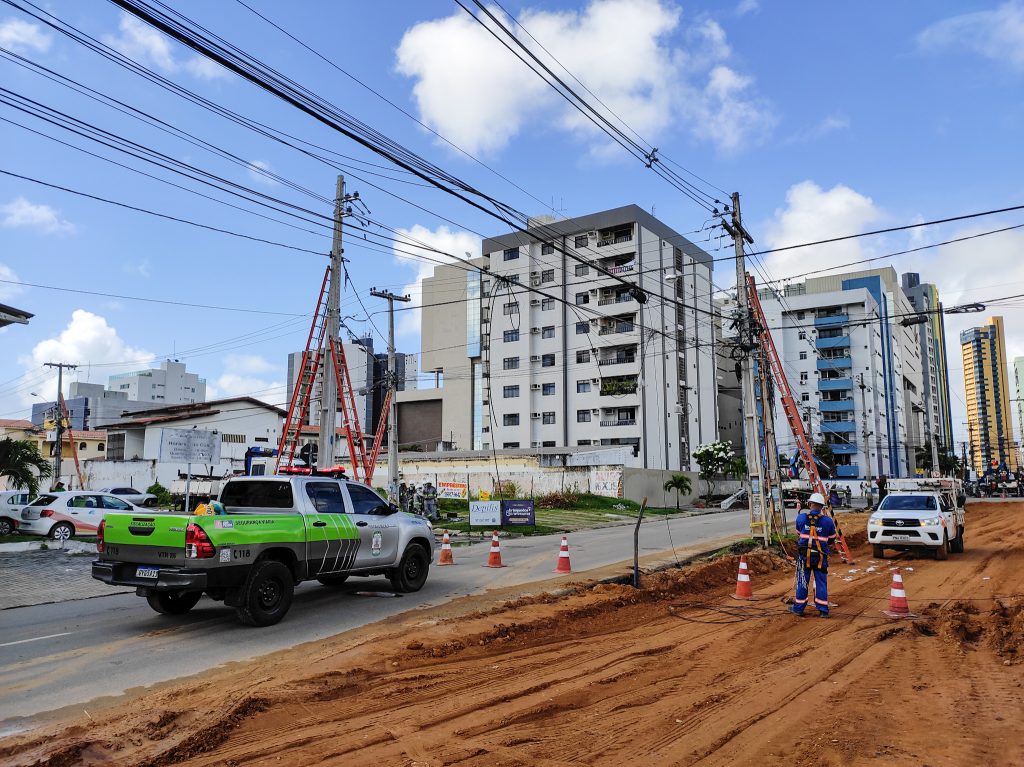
x=681 y=484
x=22 y=464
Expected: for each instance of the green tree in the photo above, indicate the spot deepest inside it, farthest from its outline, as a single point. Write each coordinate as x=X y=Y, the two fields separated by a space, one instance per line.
x=163 y=495
x=23 y=464
x=823 y=452
x=681 y=484
x=713 y=459
x=737 y=468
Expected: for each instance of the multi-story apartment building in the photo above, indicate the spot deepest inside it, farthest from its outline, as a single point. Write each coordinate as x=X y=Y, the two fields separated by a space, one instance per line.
x=853 y=367
x=89 y=406
x=1018 y=379
x=170 y=384
x=986 y=380
x=573 y=355
x=924 y=297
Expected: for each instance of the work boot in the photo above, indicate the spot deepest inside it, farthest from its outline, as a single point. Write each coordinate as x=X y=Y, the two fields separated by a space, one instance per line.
x=796 y=612
x=822 y=614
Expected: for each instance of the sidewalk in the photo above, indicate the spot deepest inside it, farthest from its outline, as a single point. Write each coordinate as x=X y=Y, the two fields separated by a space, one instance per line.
x=53 y=575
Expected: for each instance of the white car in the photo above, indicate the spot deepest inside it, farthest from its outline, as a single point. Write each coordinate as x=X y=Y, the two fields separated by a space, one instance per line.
x=917 y=520
x=131 y=495
x=67 y=513
x=11 y=504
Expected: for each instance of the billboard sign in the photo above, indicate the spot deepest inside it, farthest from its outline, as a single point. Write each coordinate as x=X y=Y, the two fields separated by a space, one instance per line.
x=517 y=513
x=189 y=446
x=485 y=513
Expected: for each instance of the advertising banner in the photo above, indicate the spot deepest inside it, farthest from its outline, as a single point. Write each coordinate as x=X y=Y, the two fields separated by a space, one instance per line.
x=189 y=446
x=517 y=513
x=485 y=513
x=459 y=490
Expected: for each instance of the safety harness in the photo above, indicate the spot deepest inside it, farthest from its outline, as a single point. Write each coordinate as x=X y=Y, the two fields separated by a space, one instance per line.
x=813 y=555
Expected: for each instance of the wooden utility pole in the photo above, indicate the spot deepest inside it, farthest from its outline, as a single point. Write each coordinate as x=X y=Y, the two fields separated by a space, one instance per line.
x=393 y=386
x=60 y=415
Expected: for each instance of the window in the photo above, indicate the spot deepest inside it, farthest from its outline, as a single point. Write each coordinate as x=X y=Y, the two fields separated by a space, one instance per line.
x=510 y=419
x=805 y=397
x=510 y=335
x=548 y=331
x=364 y=500
x=582 y=270
x=326 y=497
x=803 y=378
x=511 y=254
x=582 y=298
x=110 y=502
x=508 y=392
x=580 y=241
x=582 y=387
x=100 y=446
x=547 y=389
x=243 y=494
x=546 y=249
x=261 y=439
x=547 y=361
x=548 y=443
x=548 y=418
x=803 y=335
x=237 y=439
x=510 y=363
x=583 y=356
x=582 y=416
x=547 y=304
x=583 y=442
x=510 y=445
x=803 y=355
x=582 y=327
x=510 y=308
x=513 y=278
x=799 y=315
x=548 y=275
x=81 y=446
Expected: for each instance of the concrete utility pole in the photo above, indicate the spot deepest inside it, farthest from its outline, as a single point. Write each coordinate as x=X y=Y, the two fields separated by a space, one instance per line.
x=328 y=379
x=864 y=425
x=393 y=386
x=60 y=415
x=773 y=484
x=751 y=437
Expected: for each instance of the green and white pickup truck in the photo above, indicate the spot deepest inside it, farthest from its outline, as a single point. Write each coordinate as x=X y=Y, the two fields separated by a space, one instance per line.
x=276 y=532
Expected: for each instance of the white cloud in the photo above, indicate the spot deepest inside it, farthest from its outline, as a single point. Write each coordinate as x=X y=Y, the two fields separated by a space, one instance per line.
x=442 y=239
x=146 y=45
x=828 y=124
x=255 y=168
x=748 y=6
x=248 y=364
x=236 y=385
x=22 y=213
x=996 y=34
x=21 y=36
x=8 y=291
x=476 y=93
x=140 y=268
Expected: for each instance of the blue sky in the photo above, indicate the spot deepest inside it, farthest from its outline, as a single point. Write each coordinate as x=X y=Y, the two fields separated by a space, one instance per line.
x=828 y=118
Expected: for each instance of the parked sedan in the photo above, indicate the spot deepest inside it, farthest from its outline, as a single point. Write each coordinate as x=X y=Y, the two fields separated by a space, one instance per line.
x=131 y=495
x=65 y=514
x=11 y=504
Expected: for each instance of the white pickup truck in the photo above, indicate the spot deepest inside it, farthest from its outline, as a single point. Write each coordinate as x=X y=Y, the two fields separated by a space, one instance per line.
x=919 y=513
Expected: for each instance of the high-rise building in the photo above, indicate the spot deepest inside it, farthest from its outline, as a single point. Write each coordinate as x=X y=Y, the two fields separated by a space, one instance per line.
x=924 y=297
x=986 y=380
x=854 y=369
x=1018 y=379
x=170 y=384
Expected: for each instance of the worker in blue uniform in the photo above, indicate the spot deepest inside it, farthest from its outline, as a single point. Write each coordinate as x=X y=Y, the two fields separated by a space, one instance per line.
x=816 y=532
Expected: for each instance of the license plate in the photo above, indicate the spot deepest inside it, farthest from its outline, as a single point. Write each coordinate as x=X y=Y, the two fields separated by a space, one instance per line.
x=901 y=537
x=147 y=572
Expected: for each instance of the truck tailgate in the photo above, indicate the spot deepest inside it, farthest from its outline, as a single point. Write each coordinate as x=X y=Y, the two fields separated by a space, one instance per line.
x=155 y=538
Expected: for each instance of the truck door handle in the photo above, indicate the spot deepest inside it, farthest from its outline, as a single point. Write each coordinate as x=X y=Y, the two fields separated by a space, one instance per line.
x=319 y=524
x=361 y=524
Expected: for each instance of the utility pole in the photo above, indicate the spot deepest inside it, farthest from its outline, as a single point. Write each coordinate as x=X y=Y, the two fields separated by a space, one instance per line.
x=60 y=415
x=776 y=507
x=393 y=386
x=864 y=425
x=751 y=437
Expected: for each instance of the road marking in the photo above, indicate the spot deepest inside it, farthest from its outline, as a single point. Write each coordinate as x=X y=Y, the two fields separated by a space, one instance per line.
x=36 y=639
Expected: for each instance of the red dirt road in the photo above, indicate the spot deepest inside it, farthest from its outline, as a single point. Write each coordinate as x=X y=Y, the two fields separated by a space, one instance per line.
x=677 y=673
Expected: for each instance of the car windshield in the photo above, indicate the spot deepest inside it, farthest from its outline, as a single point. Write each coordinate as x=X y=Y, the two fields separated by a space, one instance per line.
x=247 y=494
x=908 y=503
x=44 y=500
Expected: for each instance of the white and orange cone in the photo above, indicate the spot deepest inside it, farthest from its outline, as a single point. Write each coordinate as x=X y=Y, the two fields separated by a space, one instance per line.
x=494 y=557
x=445 y=558
x=743 y=588
x=898 y=607
x=563 y=557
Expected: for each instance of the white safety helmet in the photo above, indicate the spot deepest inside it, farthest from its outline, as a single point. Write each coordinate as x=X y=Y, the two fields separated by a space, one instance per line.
x=817 y=498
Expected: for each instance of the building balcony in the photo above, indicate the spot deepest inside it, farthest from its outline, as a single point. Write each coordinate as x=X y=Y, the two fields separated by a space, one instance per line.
x=834 y=384
x=838 y=342
x=832 y=321
x=617 y=238
x=836 y=405
x=836 y=363
x=622 y=268
x=615 y=388
x=625 y=299
x=843 y=449
x=620 y=422
x=838 y=427
x=619 y=327
x=850 y=471
x=620 y=360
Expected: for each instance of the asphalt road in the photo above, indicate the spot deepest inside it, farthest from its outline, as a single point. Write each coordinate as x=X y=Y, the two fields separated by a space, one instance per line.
x=70 y=653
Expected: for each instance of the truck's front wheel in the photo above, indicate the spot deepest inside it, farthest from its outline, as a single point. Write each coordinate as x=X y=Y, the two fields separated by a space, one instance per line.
x=173 y=602
x=878 y=552
x=957 y=544
x=942 y=552
x=411 y=573
x=266 y=595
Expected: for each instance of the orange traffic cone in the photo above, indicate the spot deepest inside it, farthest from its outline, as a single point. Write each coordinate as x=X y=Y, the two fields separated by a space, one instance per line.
x=563 y=557
x=898 y=607
x=743 y=589
x=494 y=557
x=446 y=551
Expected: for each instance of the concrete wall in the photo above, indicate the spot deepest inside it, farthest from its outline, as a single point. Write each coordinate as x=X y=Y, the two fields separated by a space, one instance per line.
x=419 y=422
x=638 y=483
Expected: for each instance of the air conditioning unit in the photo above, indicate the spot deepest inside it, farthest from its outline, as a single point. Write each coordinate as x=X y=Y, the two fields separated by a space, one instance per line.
x=535 y=281
x=534 y=358
x=596 y=410
x=534 y=302
x=535 y=444
x=592 y=235
x=595 y=380
x=534 y=387
x=534 y=415
x=535 y=331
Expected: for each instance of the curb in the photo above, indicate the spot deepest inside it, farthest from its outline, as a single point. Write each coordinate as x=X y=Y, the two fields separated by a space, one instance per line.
x=72 y=547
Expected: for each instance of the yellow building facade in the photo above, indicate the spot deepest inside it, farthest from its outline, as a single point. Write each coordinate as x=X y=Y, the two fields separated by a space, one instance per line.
x=987 y=384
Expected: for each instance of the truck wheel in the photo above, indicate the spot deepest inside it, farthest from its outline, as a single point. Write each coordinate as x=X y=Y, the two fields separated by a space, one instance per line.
x=173 y=602
x=411 y=573
x=62 y=531
x=267 y=594
x=957 y=544
x=332 y=580
x=878 y=552
x=942 y=552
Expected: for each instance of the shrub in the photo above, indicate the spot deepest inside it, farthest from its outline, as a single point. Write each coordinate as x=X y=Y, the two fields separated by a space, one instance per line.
x=163 y=495
x=558 y=499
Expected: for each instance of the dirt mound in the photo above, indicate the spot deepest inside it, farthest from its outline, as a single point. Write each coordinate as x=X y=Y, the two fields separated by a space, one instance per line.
x=966 y=625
